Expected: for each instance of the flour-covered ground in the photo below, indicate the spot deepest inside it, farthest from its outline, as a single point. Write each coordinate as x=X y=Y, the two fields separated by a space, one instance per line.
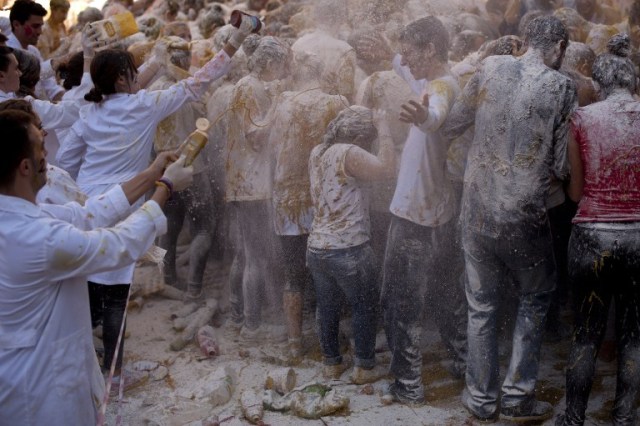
x=183 y=393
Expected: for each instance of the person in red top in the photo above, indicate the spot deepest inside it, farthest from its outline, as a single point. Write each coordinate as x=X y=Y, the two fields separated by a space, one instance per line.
x=604 y=250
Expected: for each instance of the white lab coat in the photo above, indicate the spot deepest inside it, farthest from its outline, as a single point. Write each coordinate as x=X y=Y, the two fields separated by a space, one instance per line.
x=49 y=374
x=54 y=116
x=112 y=140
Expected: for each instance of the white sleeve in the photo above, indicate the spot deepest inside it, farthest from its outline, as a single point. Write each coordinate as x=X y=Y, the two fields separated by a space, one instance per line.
x=71 y=153
x=441 y=98
x=163 y=103
x=56 y=116
x=71 y=252
x=99 y=211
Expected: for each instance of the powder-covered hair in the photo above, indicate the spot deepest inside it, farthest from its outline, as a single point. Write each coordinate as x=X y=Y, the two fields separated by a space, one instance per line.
x=544 y=32
x=427 y=30
x=349 y=124
x=269 y=50
x=613 y=72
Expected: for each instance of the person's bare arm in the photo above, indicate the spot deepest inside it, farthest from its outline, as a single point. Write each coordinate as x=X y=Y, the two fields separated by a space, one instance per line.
x=576 y=182
x=512 y=14
x=140 y=184
x=365 y=166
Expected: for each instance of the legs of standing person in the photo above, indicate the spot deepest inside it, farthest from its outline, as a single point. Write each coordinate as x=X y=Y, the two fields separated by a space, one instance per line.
x=627 y=302
x=601 y=269
x=174 y=210
x=530 y=260
x=296 y=279
x=198 y=210
x=114 y=302
x=328 y=303
x=560 y=221
x=409 y=247
x=445 y=295
x=258 y=285
x=484 y=272
x=236 y=298
x=350 y=272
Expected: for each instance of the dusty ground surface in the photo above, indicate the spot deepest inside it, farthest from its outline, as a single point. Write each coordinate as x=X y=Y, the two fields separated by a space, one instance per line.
x=180 y=397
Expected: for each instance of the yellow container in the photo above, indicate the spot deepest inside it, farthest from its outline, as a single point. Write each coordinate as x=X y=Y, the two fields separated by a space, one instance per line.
x=115 y=28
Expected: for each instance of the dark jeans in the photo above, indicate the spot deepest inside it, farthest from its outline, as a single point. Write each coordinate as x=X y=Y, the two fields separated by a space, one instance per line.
x=108 y=303
x=293 y=250
x=605 y=266
x=560 y=222
x=349 y=272
x=529 y=261
x=195 y=204
x=420 y=267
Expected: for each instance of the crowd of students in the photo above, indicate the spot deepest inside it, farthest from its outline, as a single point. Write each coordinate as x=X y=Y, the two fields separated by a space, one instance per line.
x=358 y=157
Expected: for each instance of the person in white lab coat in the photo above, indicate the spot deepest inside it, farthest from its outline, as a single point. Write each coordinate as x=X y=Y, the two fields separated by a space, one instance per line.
x=112 y=141
x=48 y=369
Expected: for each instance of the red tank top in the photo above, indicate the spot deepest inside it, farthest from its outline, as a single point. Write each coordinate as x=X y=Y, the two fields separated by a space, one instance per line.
x=608 y=134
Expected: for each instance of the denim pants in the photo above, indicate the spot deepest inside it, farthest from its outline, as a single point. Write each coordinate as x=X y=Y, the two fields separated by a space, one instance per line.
x=604 y=266
x=421 y=266
x=349 y=272
x=529 y=260
x=108 y=303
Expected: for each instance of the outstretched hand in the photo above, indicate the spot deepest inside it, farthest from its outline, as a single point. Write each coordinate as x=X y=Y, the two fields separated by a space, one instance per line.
x=414 y=112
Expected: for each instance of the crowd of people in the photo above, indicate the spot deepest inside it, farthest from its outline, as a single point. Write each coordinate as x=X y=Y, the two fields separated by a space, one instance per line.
x=473 y=162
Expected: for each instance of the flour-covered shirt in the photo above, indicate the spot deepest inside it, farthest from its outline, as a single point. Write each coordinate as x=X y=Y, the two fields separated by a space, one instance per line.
x=521 y=111
x=340 y=201
x=300 y=122
x=423 y=193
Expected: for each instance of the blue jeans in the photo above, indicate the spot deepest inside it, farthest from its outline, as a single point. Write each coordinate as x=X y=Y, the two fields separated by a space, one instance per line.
x=351 y=272
x=605 y=267
x=488 y=260
x=420 y=267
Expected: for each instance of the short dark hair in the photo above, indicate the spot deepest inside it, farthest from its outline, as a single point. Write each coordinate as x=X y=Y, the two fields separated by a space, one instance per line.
x=544 y=32
x=5 y=51
x=19 y=105
x=15 y=130
x=71 y=71
x=3 y=38
x=427 y=30
x=23 y=9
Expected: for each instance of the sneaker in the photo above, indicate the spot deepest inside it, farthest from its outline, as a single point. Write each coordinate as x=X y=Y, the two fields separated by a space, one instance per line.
x=532 y=410
x=277 y=333
x=132 y=379
x=361 y=376
x=481 y=419
x=393 y=394
x=295 y=348
x=257 y=335
x=333 y=372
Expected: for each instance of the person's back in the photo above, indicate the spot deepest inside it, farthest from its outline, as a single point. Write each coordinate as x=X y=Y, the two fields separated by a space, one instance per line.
x=608 y=140
x=521 y=107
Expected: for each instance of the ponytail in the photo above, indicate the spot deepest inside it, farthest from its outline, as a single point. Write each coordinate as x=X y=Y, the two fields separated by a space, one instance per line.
x=94 y=95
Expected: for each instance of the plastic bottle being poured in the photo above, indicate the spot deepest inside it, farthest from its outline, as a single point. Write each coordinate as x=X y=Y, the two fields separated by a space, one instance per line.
x=237 y=16
x=196 y=141
x=115 y=28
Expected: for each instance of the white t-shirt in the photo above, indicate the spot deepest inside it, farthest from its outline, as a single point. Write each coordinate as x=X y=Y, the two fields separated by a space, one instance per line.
x=423 y=193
